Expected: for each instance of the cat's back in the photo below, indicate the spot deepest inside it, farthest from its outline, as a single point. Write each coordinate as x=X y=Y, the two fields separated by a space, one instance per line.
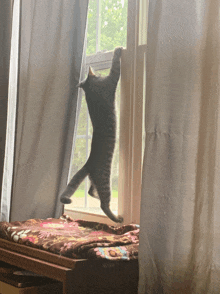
x=101 y=106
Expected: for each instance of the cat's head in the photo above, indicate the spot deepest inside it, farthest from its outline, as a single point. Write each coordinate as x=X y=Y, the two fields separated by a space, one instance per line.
x=90 y=78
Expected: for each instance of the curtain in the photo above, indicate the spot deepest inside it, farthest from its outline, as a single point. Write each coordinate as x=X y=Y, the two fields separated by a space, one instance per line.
x=180 y=205
x=11 y=115
x=50 y=53
x=5 y=39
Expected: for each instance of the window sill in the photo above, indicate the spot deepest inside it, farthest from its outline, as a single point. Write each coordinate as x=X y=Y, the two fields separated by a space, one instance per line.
x=90 y=216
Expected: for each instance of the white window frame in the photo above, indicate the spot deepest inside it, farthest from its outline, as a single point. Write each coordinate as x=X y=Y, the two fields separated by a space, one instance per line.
x=131 y=141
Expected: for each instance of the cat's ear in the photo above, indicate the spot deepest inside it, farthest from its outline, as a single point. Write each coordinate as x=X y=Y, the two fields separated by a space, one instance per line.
x=81 y=84
x=91 y=72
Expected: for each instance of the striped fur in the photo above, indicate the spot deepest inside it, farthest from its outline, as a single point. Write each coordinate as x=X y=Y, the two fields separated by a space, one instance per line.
x=100 y=98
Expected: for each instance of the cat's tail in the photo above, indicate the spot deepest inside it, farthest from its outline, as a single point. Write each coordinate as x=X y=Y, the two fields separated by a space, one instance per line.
x=110 y=214
x=73 y=185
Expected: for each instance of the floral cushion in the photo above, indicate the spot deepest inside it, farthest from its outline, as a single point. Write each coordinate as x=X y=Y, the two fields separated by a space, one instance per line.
x=75 y=238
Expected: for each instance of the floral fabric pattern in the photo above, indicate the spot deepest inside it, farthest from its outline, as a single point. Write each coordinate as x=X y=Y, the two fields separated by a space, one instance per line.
x=75 y=238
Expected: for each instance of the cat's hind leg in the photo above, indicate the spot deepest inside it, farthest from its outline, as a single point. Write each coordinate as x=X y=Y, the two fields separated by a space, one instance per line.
x=73 y=185
x=103 y=189
x=93 y=192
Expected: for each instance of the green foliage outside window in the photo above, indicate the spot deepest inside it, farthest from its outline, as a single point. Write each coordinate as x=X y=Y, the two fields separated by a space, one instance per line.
x=113 y=25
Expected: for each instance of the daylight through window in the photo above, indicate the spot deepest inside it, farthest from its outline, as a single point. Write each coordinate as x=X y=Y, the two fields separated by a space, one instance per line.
x=107 y=29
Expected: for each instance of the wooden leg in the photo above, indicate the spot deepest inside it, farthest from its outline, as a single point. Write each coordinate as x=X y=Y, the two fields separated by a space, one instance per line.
x=68 y=283
x=65 y=288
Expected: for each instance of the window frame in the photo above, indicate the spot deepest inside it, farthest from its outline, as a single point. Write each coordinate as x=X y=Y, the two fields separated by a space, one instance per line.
x=131 y=140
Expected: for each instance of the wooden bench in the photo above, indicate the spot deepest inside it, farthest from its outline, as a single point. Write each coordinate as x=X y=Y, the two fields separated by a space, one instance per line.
x=78 y=276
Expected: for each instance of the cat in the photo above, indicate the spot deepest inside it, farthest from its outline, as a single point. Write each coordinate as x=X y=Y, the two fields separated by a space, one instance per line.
x=100 y=98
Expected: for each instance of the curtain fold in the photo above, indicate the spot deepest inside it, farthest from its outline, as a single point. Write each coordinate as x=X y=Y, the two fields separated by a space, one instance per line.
x=5 y=41
x=180 y=206
x=51 y=46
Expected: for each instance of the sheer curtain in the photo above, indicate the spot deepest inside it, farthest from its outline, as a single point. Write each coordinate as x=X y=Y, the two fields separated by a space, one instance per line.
x=180 y=207
x=50 y=53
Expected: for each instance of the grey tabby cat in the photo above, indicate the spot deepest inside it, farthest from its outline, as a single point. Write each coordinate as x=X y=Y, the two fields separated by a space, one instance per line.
x=100 y=98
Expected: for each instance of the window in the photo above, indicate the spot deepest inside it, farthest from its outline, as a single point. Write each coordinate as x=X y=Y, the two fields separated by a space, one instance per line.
x=113 y=23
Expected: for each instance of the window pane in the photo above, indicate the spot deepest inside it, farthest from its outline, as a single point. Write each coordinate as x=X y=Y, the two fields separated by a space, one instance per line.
x=113 y=24
x=105 y=32
x=91 y=28
x=109 y=29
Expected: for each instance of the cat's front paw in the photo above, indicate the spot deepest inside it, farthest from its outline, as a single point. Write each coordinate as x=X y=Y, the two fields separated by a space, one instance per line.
x=117 y=52
x=65 y=200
